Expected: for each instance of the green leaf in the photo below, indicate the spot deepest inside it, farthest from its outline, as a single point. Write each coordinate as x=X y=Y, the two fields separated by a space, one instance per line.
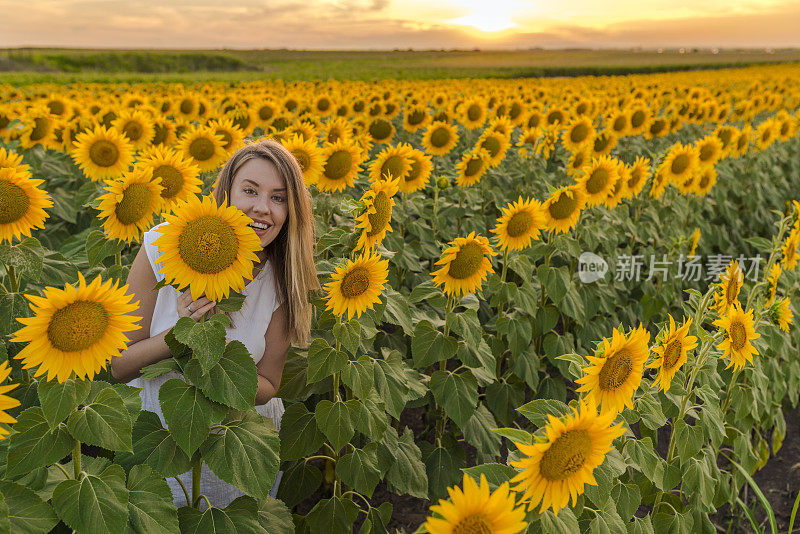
x=430 y=346
x=5 y=523
x=407 y=471
x=478 y=432
x=359 y=469
x=274 y=517
x=240 y=516
x=232 y=381
x=377 y=520
x=332 y=516
x=232 y=303
x=187 y=413
x=348 y=334
x=563 y=523
x=443 y=465
x=98 y=247
x=503 y=398
x=370 y=417
x=651 y=412
x=555 y=281
x=427 y=290
x=12 y=306
x=527 y=299
x=333 y=419
x=397 y=311
x=26 y=257
x=323 y=361
x=537 y=410
x=60 y=400
x=205 y=338
x=299 y=434
x=456 y=393
x=299 y=481
x=628 y=498
x=496 y=474
x=608 y=520
x=130 y=397
x=359 y=376
x=150 y=503
x=155 y=446
x=94 y=503
x=105 y=422
x=466 y=325
x=245 y=452
x=515 y=435
x=34 y=444
x=27 y=512
x=160 y=368
x=391 y=383
x=57 y=270
x=690 y=440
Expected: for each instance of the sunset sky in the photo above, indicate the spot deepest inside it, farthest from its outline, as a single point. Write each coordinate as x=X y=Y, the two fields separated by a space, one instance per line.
x=386 y=24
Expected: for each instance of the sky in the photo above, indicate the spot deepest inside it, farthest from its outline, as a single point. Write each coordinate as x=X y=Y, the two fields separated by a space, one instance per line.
x=388 y=24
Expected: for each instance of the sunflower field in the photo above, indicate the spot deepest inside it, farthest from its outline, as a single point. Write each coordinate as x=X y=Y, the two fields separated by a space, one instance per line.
x=547 y=305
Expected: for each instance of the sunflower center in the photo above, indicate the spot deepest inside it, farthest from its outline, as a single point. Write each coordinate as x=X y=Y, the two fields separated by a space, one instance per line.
x=738 y=335
x=519 y=223
x=382 y=215
x=671 y=353
x=355 y=282
x=393 y=166
x=467 y=262
x=40 y=128
x=77 y=326
x=56 y=107
x=680 y=164
x=323 y=104
x=227 y=138
x=635 y=177
x=414 y=171
x=563 y=208
x=657 y=126
x=473 y=524
x=171 y=180
x=579 y=133
x=474 y=166
x=160 y=134
x=637 y=119
x=474 y=112
x=265 y=113
x=619 y=123
x=134 y=205
x=380 y=129
x=707 y=152
x=302 y=158
x=566 y=456
x=14 y=202
x=492 y=145
x=104 y=153
x=208 y=244
x=616 y=370
x=597 y=181
x=601 y=142
x=242 y=120
x=201 y=149
x=440 y=137
x=187 y=106
x=133 y=130
x=338 y=165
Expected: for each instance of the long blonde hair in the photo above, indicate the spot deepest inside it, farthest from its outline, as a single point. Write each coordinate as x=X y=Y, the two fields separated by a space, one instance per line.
x=291 y=253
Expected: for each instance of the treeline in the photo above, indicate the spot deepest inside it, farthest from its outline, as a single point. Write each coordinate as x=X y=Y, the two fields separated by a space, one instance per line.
x=125 y=61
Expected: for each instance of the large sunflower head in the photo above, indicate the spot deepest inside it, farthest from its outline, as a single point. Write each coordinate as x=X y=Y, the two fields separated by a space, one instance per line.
x=136 y=126
x=473 y=113
x=38 y=129
x=465 y=264
x=416 y=118
x=232 y=136
x=563 y=209
x=730 y=284
x=559 y=468
x=76 y=330
x=789 y=250
x=391 y=163
x=495 y=143
x=128 y=206
x=163 y=132
x=308 y=156
x=357 y=286
x=203 y=147
x=474 y=510
x=440 y=138
x=638 y=174
x=709 y=150
x=578 y=134
x=178 y=175
x=339 y=171
x=671 y=354
x=598 y=180
x=336 y=129
x=740 y=329
x=102 y=153
x=604 y=142
x=376 y=220
x=520 y=223
x=380 y=130
x=528 y=141
x=680 y=163
x=22 y=204
x=419 y=173
x=207 y=247
x=615 y=372
x=472 y=167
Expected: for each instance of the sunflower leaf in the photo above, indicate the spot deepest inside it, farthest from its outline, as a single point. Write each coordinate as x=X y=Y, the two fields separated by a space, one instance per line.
x=359 y=469
x=187 y=413
x=99 y=247
x=34 y=444
x=24 y=510
x=205 y=338
x=233 y=381
x=150 y=506
x=155 y=446
x=274 y=517
x=333 y=516
x=323 y=361
x=333 y=419
x=457 y=393
x=60 y=400
x=299 y=434
x=26 y=257
x=430 y=345
x=95 y=503
x=105 y=422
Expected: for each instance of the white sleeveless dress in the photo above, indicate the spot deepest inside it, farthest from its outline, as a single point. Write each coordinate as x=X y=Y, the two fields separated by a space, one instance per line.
x=250 y=325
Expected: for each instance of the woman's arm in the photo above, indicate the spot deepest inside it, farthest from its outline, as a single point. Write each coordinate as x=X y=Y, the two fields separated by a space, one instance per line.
x=270 y=367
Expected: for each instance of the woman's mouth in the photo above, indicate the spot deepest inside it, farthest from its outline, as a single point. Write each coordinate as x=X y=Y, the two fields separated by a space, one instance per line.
x=260 y=228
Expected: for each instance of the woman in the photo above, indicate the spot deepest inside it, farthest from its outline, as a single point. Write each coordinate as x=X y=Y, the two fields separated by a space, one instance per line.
x=263 y=180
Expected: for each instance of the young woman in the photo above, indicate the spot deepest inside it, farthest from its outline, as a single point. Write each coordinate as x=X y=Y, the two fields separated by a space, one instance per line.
x=263 y=180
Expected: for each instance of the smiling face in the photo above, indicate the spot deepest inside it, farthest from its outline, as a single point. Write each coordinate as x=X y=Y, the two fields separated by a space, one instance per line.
x=260 y=192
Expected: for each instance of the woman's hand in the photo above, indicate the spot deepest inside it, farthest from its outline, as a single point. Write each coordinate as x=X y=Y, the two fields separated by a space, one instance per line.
x=194 y=309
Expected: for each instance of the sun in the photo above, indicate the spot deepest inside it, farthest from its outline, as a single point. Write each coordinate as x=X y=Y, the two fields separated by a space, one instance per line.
x=489 y=17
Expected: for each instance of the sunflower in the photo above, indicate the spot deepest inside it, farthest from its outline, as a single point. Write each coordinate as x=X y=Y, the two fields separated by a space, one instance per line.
x=335 y=129
x=528 y=139
x=726 y=134
x=179 y=176
x=232 y=135
x=680 y=163
x=136 y=127
x=578 y=134
x=474 y=510
x=376 y=220
x=782 y=314
x=614 y=375
x=419 y=173
x=416 y=118
x=380 y=130
x=465 y=264
x=473 y=113
x=265 y=111
x=471 y=167
x=709 y=150
x=774 y=276
x=604 y=142
x=695 y=241
x=308 y=156
x=672 y=353
x=619 y=123
x=207 y=247
x=520 y=223
x=9 y=158
x=577 y=161
x=186 y=106
x=563 y=209
x=789 y=250
x=765 y=134
x=38 y=129
x=639 y=116
x=620 y=187
x=741 y=142
x=440 y=138
x=658 y=127
x=102 y=153
x=128 y=206
x=163 y=132
x=6 y=402
x=502 y=125
x=342 y=160
x=203 y=147
x=559 y=468
x=728 y=289
x=392 y=163
x=740 y=328
x=496 y=144
x=598 y=180
x=659 y=184
x=357 y=285
x=22 y=204
x=76 y=330
x=638 y=174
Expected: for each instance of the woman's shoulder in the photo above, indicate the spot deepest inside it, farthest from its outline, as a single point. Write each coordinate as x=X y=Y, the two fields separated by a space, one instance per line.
x=148 y=239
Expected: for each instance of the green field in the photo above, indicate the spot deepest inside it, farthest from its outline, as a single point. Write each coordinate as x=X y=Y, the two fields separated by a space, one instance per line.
x=37 y=65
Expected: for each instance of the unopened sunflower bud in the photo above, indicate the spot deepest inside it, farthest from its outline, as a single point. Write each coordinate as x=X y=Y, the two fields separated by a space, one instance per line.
x=443 y=183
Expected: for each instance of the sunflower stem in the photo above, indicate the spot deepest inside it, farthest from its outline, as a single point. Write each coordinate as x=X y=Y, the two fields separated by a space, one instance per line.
x=435 y=209
x=66 y=473
x=196 y=472
x=502 y=305
x=76 y=459
x=118 y=258
x=13 y=281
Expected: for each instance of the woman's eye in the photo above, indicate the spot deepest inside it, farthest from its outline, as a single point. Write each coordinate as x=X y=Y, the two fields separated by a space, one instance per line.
x=278 y=198
x=249 y=191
